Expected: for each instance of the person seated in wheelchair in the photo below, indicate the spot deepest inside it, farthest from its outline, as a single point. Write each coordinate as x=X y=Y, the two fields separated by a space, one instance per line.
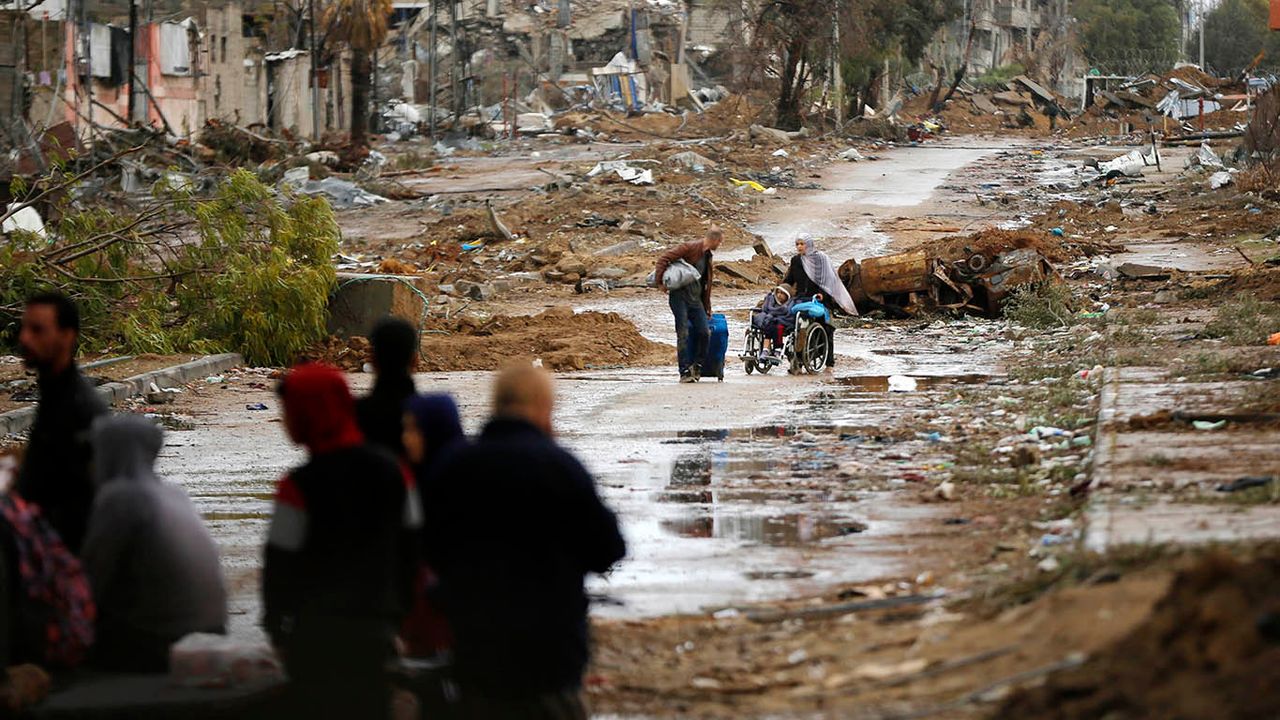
x=774 y=319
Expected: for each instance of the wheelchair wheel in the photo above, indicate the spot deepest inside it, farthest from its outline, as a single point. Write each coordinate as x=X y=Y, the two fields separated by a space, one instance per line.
x=815 y=348
x=749 y=366
x=764 y=368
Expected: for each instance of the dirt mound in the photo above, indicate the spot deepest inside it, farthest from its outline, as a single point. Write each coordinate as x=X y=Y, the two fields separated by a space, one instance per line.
x=993 y=241
x=561 y=339
x=1211 y=648
x=1262 y=281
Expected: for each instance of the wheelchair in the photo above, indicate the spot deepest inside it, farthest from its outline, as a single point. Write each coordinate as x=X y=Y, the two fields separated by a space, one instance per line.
x=804 y=347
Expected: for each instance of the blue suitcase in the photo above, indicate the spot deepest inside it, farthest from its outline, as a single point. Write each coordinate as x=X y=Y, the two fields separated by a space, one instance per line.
x=717 y=347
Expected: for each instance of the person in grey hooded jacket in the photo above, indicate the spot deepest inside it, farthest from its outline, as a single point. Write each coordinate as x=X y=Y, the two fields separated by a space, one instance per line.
x=151 y=563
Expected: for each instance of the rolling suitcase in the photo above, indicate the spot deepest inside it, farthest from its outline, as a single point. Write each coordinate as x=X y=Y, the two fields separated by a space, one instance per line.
x=717 y=347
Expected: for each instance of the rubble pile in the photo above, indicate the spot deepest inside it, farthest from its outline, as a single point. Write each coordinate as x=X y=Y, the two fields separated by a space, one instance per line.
x=1172 y=104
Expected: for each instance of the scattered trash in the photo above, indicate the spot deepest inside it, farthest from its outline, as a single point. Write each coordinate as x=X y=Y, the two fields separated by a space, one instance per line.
x=1274 y=339
x=852 y=155
x=902 y=383
x=1205 y=158
x=1207 y=425
x=749 y=183
x=1245 y=483
x=27 y=219
x=215 y=379
x=781 y=153
x=946 y=491
x=1220 y=180
x=1129 y=165
x=1057 y=232
x=255 y=406
x=624 y=170
x=1049 y=565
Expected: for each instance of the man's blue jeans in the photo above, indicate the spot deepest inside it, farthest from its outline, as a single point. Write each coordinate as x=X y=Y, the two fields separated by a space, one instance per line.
x=687 y=311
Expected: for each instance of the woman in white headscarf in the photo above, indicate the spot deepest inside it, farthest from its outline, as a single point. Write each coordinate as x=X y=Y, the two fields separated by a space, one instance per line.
x=813 y=274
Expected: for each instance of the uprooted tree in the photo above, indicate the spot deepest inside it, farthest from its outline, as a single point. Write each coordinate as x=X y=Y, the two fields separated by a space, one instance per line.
x=240 y=271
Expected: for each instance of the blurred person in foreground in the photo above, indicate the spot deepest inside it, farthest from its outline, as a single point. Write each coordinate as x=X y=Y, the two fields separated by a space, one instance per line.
x=341 y=555
x=395 y=353
x=55 y=466
x=514 y=525
x=152 y=565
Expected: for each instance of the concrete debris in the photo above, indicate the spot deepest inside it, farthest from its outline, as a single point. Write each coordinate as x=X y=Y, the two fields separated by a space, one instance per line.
x=692 y=161
x=852 y=155
x=534 y=124
x=760 y=132
x=342 y=194
x=328 y=158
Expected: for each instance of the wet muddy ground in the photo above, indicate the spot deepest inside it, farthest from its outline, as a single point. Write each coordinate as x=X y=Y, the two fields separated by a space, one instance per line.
x=810 y=493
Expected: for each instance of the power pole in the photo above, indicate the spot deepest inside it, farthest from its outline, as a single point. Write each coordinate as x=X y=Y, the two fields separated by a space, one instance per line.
x=837 y=79
x=133 y=42
x=432 y=72
x=315 y=74
x=1202 y=34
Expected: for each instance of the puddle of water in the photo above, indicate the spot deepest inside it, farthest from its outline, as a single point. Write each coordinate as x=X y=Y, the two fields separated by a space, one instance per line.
x=785 y=530
x=880 y=383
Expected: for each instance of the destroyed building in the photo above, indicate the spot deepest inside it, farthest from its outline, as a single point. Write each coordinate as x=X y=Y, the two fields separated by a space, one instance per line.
x=1004 y=31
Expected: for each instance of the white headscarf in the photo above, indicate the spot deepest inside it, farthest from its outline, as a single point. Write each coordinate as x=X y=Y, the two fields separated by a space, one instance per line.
x=822 y=272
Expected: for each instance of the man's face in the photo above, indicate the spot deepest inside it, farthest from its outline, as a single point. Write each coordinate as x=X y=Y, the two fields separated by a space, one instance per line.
x=713 y=241
x=44 y=344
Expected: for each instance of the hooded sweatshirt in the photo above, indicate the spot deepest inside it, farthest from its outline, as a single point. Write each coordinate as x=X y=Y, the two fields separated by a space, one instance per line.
x=152 y=565
x=341 y=554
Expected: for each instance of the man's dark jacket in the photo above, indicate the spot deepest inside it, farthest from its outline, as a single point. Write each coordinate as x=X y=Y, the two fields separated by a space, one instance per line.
x=55 y=469
x=513 y=524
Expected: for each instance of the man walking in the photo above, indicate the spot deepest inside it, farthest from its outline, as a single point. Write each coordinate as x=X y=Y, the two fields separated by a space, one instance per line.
x=380 y=413
x=513 y=525
x=55 y=470
x=691 y=303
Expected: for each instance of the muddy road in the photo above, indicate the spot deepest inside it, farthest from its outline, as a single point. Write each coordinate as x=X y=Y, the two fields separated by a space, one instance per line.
x=724 y=490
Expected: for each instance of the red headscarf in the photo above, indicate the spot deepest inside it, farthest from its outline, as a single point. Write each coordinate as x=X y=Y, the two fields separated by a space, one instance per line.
x=320 y=408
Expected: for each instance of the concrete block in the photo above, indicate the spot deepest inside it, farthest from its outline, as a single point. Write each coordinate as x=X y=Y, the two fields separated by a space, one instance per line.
x=362 y=300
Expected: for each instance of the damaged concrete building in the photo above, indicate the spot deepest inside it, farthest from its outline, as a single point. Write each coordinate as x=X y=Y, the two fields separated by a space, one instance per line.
x=1007 y=32
x=516 y=57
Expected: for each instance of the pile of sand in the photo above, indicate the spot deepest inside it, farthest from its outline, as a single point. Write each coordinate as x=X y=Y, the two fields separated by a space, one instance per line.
x=562 y=339
x=1210 y=648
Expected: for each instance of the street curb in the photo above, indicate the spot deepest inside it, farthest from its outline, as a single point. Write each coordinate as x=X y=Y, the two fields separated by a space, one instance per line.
x=16 y=421
x=1097 y=516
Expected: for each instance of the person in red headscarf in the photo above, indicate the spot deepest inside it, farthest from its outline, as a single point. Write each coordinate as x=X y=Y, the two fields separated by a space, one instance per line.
x=341 y=554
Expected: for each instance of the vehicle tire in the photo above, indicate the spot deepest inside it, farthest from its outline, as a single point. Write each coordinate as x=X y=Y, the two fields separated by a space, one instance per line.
x=815 y=348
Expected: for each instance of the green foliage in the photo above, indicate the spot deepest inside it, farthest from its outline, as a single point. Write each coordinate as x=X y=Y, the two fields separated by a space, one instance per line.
x=238 y=272
x=1129 y=36
x=1234 y=33
x=1245 y=320
x=1043 y=305
x=995 y=77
